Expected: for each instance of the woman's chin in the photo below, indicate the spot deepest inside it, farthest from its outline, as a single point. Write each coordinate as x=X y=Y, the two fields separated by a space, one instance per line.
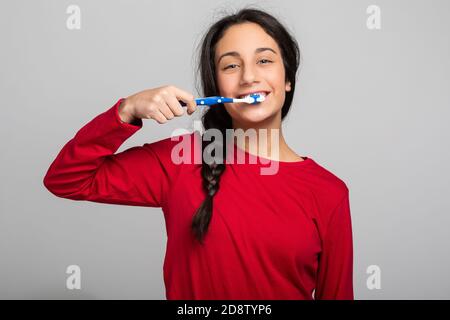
x=254 y=116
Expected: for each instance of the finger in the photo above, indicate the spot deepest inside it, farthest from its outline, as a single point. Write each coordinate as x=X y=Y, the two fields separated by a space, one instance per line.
x=165 y=110
x=175 y=105
x=191 y=109
x=158 y=116
x=186 y=97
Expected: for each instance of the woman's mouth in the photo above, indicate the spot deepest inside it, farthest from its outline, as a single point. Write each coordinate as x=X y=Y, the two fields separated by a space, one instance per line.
x=261 y=93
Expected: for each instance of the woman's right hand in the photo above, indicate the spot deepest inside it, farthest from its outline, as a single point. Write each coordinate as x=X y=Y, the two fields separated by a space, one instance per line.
x=160 y=104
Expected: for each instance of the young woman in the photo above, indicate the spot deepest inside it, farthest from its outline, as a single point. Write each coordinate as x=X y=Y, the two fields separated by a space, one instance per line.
x=286 y=235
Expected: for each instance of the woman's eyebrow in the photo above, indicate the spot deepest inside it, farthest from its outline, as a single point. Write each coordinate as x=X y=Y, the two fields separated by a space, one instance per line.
x=236 y=54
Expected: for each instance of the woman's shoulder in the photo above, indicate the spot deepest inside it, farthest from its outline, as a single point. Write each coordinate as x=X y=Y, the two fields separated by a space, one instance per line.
x=177 y=148
x=329 y=176
x=326 y=184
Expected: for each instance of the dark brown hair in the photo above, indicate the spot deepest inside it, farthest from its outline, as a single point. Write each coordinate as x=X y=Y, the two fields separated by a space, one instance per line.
x=218 y=117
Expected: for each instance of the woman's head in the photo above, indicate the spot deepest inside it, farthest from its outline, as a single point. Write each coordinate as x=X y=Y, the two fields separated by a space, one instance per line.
x=236 y=40
x=242 y=53
x=248 y=60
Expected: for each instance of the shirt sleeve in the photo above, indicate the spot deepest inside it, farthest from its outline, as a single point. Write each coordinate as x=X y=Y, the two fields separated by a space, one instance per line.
x=335 y=272
x=87 y=167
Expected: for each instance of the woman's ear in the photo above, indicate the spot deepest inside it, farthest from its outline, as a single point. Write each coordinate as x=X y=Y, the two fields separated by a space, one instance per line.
x=288 y=86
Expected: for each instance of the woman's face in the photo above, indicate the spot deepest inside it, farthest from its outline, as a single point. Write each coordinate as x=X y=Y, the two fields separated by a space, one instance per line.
x=248 y=60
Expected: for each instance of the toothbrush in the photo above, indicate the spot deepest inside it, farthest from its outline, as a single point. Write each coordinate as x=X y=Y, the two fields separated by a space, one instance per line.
x=208 y=101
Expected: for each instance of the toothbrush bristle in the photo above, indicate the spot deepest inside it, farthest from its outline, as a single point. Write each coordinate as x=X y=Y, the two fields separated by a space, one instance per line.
x=257 y=98
x=252 y=99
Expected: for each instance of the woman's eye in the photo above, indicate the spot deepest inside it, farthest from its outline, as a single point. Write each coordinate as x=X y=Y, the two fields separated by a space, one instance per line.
x=265 y=60
x=228 y=67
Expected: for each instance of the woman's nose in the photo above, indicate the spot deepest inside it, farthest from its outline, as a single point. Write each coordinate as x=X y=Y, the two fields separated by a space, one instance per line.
x=248 y=75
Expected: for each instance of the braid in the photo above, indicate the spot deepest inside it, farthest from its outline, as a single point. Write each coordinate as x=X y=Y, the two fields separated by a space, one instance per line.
x=219 y=119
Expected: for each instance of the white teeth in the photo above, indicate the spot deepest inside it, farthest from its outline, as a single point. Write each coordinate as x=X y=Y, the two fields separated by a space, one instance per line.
x=260 y=93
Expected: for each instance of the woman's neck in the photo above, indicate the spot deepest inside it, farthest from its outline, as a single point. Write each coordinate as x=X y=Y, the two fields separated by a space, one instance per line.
x=264 y=139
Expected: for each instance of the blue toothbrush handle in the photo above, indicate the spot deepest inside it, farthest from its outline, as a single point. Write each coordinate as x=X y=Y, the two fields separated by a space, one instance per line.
x=209 y=101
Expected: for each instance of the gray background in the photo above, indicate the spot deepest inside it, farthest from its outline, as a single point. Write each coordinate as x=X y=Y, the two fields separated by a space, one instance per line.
x=371 y=106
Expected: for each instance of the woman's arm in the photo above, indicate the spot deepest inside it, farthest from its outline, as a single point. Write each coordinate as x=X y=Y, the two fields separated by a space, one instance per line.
x=87 y=169
x=335 y=273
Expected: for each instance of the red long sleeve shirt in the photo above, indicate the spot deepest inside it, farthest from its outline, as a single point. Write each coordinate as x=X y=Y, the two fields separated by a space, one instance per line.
x=273 y=236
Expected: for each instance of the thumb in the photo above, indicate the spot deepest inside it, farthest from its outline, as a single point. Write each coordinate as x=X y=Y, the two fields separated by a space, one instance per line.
x=190 y=110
